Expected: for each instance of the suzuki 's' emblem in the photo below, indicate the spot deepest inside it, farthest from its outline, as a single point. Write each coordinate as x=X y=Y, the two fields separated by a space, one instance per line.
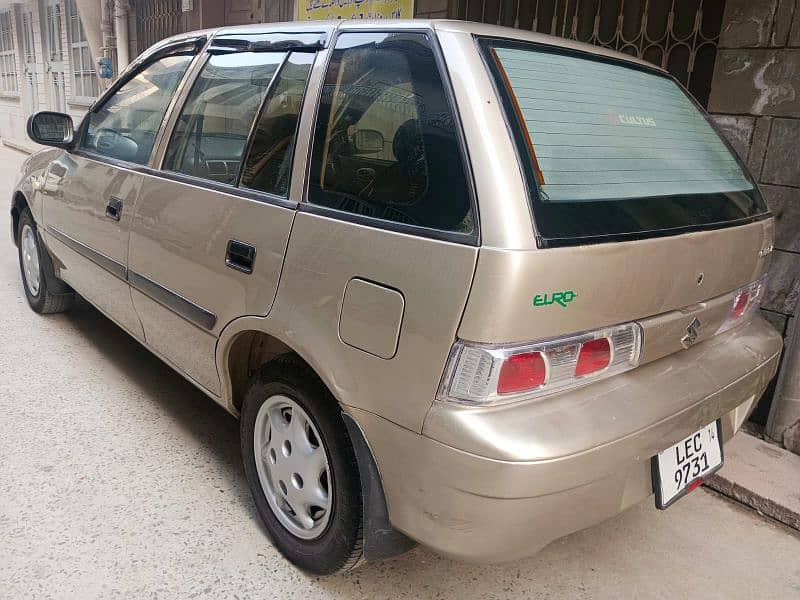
x=692 y=330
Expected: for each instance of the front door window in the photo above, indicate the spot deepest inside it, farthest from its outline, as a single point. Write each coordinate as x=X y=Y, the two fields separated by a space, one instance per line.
x=126 y=125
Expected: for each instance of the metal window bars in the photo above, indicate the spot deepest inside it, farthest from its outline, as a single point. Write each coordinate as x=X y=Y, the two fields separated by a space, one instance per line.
x=678 y=35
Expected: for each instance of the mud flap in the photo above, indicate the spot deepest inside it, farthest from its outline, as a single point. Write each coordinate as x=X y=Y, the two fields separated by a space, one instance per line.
x=54 y=285
x=381 y=540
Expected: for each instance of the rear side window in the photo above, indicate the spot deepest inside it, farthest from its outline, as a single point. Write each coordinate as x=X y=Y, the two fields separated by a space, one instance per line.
x=211 y=133
x=126 y=125
x=269 y=161
x=386 y=144
x=614 y=150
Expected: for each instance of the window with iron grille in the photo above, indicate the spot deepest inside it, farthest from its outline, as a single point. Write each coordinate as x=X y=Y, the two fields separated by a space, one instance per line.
x=55 y=46
x=8 y=65
x=27 y=37
x=156 y=20
x=84 y=78
x=680 y=36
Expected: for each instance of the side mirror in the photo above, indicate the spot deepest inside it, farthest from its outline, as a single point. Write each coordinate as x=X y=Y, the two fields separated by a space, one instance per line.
x=51 y=129
x=368 y=141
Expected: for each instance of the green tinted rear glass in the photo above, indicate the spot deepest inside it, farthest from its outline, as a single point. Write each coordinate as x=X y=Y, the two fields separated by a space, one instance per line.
x=612 y=149
x=604 y=131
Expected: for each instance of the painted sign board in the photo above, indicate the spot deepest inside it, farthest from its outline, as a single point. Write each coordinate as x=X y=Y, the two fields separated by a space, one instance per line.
x=308 y=10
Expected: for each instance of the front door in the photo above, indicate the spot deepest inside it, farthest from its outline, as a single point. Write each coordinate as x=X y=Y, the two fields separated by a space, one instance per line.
x=211 y=229
x=90 y=194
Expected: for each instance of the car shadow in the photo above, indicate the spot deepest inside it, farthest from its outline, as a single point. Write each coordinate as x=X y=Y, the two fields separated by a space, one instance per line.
x=199 y=416
x=191 y=410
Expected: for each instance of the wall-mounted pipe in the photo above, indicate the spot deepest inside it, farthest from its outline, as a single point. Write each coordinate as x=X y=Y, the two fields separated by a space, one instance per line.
x=121 y=30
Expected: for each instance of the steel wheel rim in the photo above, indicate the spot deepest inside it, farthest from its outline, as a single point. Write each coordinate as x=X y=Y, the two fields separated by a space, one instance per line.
x=30 y=259
x=293 y=467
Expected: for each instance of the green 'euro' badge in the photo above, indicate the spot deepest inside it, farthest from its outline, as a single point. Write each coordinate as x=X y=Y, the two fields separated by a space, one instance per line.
x=560 y=298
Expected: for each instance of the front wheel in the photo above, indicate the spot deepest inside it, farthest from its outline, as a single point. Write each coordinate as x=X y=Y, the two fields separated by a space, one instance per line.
x=37 y=271
x=301 y=468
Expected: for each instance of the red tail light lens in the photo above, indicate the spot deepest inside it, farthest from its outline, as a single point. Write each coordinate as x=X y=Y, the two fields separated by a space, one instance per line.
x=522 y=372
x=746 y=302
x=740 y=304
x=595 y=355
x=481 y=374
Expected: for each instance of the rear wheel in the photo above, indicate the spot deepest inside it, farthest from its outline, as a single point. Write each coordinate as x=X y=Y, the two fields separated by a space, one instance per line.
x=301 y=468
x=37 y=271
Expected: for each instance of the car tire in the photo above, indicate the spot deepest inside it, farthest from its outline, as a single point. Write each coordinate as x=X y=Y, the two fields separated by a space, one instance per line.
x=36 y=269
x=282 y=392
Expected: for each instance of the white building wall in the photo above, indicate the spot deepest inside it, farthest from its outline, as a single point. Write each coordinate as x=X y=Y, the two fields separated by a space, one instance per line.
x=15 y=108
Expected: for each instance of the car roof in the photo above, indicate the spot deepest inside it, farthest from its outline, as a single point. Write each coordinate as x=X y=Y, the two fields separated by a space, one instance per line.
x=444 y=25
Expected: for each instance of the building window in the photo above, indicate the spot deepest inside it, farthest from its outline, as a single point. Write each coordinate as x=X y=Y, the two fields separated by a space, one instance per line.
x=55 y=48
x=8 y=65
x=84 y=78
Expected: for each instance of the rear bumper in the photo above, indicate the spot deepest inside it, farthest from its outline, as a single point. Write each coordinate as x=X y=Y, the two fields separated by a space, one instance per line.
x=500 y=484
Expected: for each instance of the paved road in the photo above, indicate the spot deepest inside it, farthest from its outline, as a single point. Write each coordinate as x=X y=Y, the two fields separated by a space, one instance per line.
x=119 y=479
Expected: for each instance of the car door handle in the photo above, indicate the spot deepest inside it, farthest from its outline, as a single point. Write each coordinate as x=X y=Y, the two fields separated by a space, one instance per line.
x=114 y=208
x=240 y=256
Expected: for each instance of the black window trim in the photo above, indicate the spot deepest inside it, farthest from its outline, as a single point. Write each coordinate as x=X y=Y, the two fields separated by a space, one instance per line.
x=193 y=45
x=285 y=41
x=202 y=54
x=257 y=120
x=248 y=140
x=248 y=143
x=483 y=43
x=471 y=239
x=199 y=182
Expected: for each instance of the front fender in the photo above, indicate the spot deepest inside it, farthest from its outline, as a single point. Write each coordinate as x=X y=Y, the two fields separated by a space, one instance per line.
x=32 y=169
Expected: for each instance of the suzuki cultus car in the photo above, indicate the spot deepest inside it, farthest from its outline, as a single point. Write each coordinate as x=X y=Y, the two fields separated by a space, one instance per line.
x=466 y=286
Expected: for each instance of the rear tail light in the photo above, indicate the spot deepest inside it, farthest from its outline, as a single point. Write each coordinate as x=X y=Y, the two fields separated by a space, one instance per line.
x=746 y=302
x=593 y=357
x=522 y=372
x=493 y=374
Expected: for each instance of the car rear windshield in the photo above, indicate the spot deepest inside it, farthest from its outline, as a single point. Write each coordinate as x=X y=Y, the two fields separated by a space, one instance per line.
x=613 y=150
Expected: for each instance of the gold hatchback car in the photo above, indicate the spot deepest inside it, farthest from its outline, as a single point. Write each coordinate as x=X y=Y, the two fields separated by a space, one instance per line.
x=466 y=286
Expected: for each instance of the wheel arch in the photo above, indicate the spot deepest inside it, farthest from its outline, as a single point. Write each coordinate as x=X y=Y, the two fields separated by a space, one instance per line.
x=18 y=204
x=243 y=347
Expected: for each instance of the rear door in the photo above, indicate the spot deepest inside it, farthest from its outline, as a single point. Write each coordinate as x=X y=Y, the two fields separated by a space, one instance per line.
x=212 y=224
x=383 y=250
x=90 y=194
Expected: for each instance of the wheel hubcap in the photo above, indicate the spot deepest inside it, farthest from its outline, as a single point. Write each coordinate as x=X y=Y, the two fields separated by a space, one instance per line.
x=30 y=260
x=293 y=467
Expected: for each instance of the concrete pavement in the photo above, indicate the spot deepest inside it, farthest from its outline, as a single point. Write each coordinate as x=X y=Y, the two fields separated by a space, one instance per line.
x=119 y=479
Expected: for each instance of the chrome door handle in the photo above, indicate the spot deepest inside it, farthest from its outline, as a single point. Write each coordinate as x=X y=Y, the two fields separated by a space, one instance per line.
x=114 y=208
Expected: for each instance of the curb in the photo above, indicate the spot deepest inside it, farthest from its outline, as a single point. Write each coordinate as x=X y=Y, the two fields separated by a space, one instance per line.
x=763 y=505
x=18 y=146
x=762 y=476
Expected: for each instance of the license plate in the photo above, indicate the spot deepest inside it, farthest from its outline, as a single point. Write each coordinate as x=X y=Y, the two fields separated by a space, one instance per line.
x=680 y=469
